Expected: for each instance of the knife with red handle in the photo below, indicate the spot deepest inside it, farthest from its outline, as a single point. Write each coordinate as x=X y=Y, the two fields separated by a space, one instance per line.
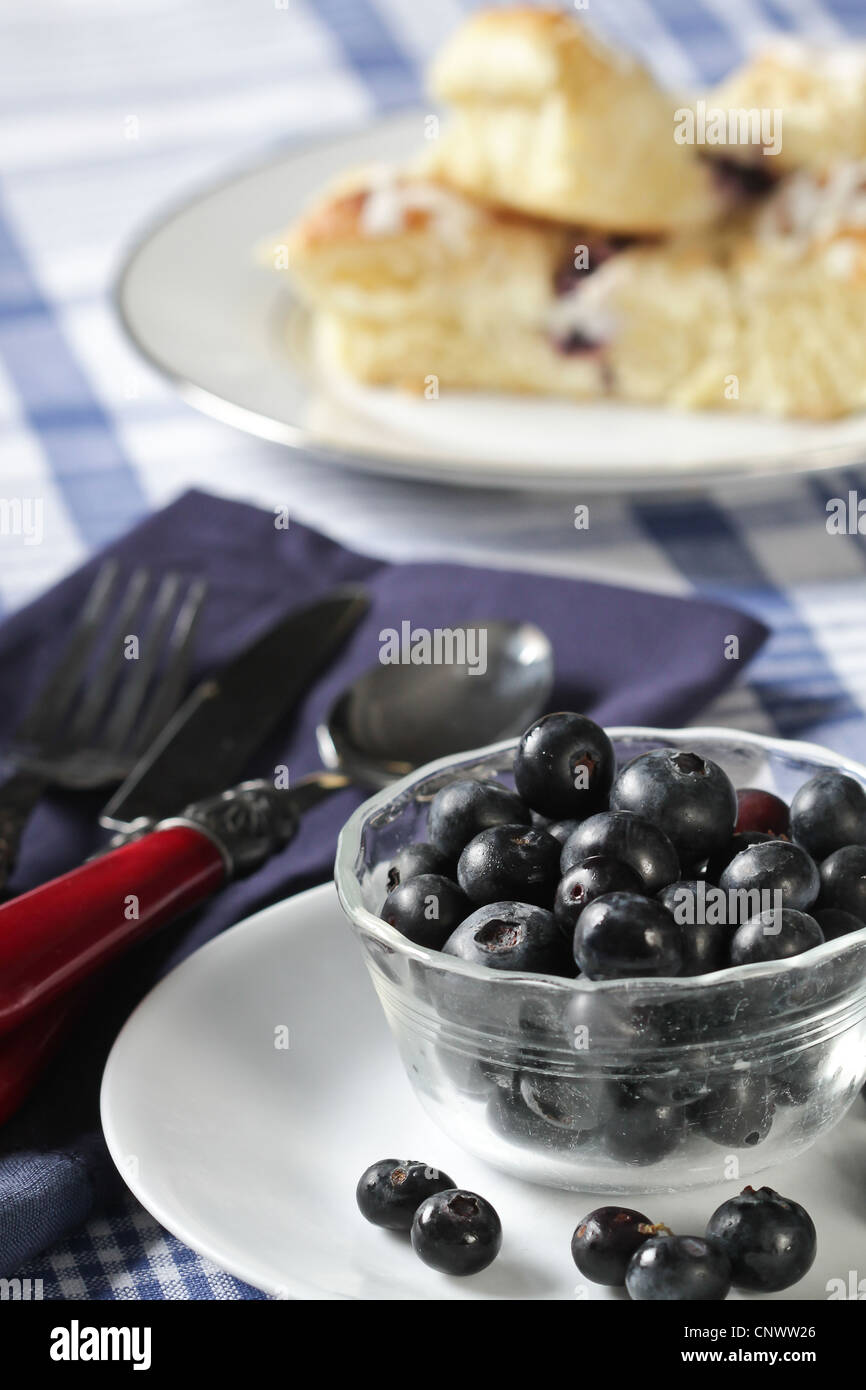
x=57 y=935
x=27 y=1050
x=54 y=936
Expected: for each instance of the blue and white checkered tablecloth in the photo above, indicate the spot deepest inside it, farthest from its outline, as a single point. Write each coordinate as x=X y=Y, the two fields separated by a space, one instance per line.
x=107 y=112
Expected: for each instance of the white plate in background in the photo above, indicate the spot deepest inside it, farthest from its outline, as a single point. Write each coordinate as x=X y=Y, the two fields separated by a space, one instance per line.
x=219 y=325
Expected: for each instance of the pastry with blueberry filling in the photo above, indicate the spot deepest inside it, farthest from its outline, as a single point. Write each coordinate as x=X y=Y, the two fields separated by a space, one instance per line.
x=545 y=119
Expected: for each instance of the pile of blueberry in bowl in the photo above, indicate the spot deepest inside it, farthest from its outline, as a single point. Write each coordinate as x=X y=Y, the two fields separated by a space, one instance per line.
x=622 y=960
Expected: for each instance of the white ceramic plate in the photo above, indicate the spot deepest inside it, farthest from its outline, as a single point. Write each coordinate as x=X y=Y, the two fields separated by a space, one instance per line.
x=221 y=327
x=250 y=1153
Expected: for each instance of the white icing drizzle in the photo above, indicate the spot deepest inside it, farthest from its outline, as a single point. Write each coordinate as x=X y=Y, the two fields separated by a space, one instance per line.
x=390 y=198
x=810 y=207
x=845 y=64
x=586 y=309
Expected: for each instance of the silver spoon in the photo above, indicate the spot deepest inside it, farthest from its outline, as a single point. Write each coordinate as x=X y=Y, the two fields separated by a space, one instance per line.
x=395 y=718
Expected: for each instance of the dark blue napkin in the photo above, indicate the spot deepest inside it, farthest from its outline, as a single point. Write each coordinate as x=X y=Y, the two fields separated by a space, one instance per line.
x=624 y=657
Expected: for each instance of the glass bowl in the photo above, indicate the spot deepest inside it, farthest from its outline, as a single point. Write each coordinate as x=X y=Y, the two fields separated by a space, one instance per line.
x=623 y=1085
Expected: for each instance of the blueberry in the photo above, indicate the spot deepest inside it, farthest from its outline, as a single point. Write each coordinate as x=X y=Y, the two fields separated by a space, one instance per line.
x=676 y=1086
x=769 y=1239
x=512 y=936
x=626 y=936
x=738 y=1112
x=718 y=862
x=760 y=810
x=509 y=1115
x=510 y=862
x=461 y=810
x=679 y=1268
x=390 y=1192
x=706 y=948
x=688 y=797
x=774 y=936
x=626 y=837
x=564 y=766
x=567 y=1102
x=835 y=922
x=799 y=1081
x=412 y=860
x=605 y=1241
x=590 y=880
x=469 y=1074
x=576 y=343
x=426 y=909
x=706 y=945
x=456 y=1232
x=597 y=1020
x=772 y=867
x=640 y=1132
x=682 y=899
x=843 y=880
x=829 y=811
x=561 y=829
x=740 y=183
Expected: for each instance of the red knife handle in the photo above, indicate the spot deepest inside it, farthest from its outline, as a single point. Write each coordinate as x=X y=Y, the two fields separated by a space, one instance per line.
x=27 y=1050
x=55 y=935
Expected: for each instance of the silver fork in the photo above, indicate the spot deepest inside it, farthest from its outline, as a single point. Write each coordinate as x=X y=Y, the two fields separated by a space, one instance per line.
x=104 y=703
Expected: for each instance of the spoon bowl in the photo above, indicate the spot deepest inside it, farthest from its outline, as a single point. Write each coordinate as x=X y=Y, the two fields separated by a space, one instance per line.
x=396 y=717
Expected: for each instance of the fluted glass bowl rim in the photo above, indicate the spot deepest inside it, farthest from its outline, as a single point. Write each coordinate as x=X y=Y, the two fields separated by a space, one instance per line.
x=350 y=843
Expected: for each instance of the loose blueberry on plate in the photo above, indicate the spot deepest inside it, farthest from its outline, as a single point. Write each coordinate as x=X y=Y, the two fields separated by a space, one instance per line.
x=605 y=1240
x=718 y=862
x=426 y=909
x=564 y=766
x=738 y=1112
x=776 y=866
x=462 y=809
x=706 y=945
x=760 y=810
x=629 y=838
x=412 y=860
x=829 y=811
x=640 y=1132
x=843 y=880
x=512 y=936
x=510 y=862
x=679 y=1268
x=835 y=922
x=774 y=936
x=390 y=1192
x=626 y=936
x=769 y=1239
x=590 y=880
x=456 y=1232
x=688 y=797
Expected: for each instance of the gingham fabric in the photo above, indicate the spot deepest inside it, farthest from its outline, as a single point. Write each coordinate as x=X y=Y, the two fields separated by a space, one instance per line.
x=108 y=112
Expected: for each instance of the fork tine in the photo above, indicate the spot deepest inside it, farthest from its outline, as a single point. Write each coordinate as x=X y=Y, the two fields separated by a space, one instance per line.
x=166 y=697
x=98 y=691
x=56 y=696
x=135 y=685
